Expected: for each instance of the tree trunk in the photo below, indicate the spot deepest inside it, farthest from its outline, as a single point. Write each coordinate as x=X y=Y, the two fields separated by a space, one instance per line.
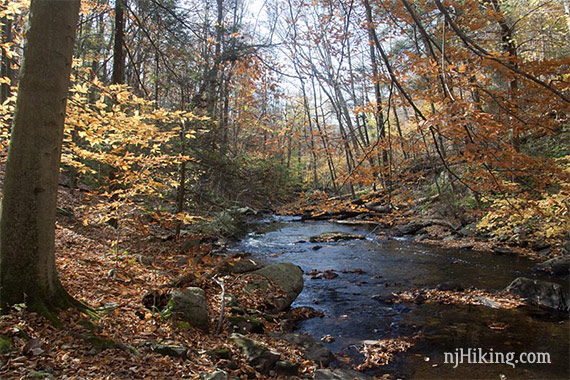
x=27 y=222
x=510 y=49
x=379 y=113
x=118 y=52
x=117 y=78
x=181 y=191
x=567 y=11
x=323 y=135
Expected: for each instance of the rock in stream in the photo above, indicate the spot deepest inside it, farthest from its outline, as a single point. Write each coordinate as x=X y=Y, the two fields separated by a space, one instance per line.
x=542 y=293
x=287 y=276
x=329 y=237
x=558 y=266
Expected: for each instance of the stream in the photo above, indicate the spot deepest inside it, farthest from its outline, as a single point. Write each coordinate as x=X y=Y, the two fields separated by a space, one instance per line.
x=354 y=310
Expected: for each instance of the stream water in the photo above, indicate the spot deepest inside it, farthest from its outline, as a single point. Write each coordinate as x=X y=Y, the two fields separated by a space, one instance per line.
x=354 y=310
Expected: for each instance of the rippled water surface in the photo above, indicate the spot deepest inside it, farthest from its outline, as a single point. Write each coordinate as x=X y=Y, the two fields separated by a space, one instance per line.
x=355 y=312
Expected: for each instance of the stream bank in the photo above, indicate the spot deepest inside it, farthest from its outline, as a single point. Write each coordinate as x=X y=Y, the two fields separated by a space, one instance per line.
x=357 y=308
x=434 y=221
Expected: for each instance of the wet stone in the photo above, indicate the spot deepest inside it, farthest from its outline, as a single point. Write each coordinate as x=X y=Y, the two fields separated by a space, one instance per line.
x=329 y=237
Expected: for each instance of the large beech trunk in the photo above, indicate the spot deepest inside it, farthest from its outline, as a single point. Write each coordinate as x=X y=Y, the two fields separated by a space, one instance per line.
x=27 y=222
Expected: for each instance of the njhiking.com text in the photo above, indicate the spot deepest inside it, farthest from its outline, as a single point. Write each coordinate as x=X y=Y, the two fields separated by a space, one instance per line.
x=480 y=356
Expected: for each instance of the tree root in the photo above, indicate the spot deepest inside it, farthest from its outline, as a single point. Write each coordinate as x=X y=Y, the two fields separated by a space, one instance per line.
x=48 y=308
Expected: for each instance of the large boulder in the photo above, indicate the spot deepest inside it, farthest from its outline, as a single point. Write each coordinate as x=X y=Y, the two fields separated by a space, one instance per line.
x=339 y=374
x=257 y=355
x=411 y=228
x=559 y=266
x=189 y=305
x=312 y=349
x=287 y=276
x=542 y=293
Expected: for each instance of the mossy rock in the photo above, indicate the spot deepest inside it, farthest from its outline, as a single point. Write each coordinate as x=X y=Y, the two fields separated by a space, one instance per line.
x=40 y=375
x=183 y=325
x=189 y=305
x=5 y=344
x=221 y=353
x=287 y=276
x=256 y=285
x=171 y=350
x=101 y=344
x=190 y=244
x=245 y=324
x=257 y=355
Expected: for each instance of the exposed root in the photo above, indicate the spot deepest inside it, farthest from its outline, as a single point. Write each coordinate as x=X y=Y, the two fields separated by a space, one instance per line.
x=48 y=308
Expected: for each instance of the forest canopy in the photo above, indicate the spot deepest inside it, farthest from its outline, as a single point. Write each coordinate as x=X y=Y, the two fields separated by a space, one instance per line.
x=191 y=105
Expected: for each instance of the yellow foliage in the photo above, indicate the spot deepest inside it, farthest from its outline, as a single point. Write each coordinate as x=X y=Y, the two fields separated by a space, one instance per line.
x=508 y=216
x=131 y=136
x=13 y=7
x=108 y=127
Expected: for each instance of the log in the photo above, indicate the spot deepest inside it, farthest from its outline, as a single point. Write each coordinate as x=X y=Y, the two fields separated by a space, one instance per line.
x=339 y=215
x=426 y=199
x=357 y=201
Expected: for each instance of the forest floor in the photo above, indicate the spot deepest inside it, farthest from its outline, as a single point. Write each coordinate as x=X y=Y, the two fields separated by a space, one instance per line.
x=116 y=271
x=112 y=271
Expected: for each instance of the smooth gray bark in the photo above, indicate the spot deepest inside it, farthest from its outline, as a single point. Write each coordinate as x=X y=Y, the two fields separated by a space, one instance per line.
x=27 y=219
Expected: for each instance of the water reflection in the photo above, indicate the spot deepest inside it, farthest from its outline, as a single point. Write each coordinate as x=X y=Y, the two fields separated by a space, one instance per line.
x=356 y=310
